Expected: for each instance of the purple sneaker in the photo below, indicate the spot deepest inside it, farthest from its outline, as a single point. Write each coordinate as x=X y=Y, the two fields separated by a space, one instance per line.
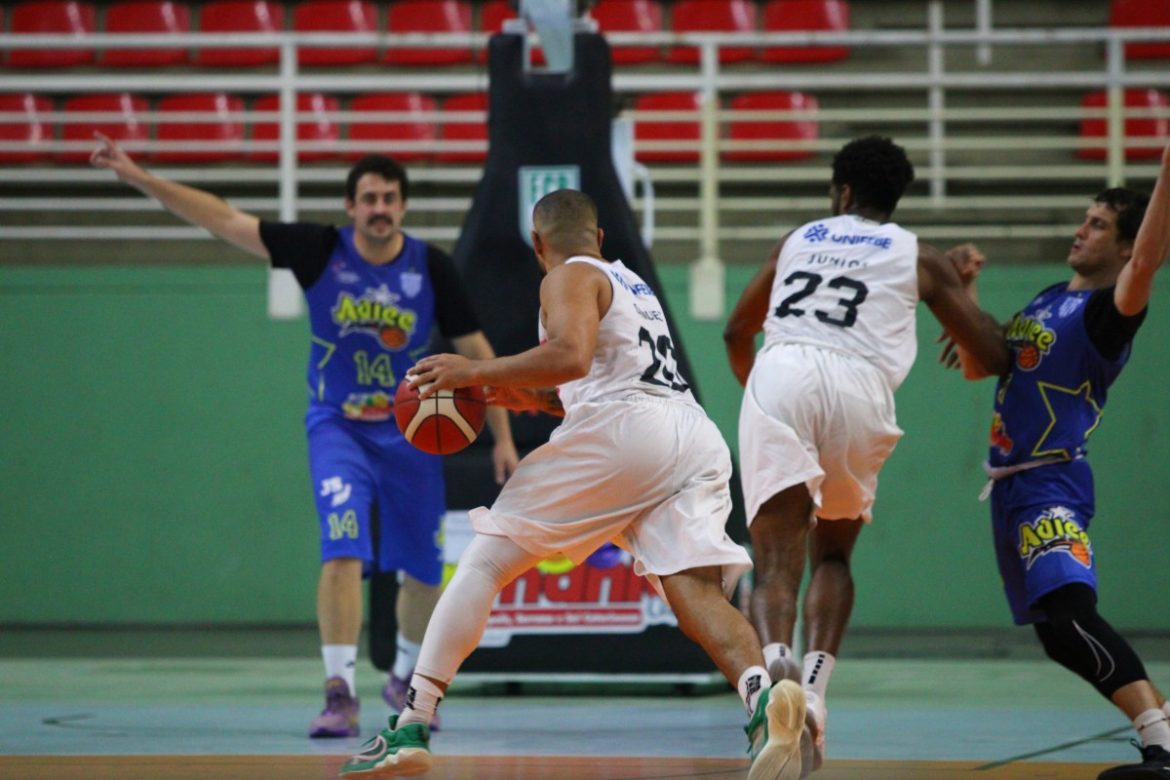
x=340 y=716
x=395 y=695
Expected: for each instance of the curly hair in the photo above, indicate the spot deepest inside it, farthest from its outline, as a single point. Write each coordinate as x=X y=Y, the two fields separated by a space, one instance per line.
x=1129 y=206
x=876 y=169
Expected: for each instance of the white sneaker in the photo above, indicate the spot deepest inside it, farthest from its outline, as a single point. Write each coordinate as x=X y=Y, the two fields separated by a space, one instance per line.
x=815 y=717
x=779 y=758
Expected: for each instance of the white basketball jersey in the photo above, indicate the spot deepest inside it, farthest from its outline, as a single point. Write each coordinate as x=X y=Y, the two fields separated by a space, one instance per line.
x=635 y=353
x=848 y=284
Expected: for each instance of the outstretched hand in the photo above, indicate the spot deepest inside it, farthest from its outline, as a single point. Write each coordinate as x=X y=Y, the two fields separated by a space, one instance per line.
x=968 y=260
x=111 y=156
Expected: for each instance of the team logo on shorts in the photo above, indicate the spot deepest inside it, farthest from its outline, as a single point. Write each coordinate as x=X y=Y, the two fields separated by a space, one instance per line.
x=1055 y=531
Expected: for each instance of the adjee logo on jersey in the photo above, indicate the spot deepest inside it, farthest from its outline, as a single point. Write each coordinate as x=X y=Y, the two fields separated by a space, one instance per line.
x=604 y=596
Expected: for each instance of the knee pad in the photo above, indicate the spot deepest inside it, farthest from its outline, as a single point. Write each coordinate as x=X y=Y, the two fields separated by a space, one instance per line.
x=1079 y=639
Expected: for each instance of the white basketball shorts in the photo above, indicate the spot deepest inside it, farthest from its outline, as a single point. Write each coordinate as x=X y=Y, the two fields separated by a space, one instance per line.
x=651 y=475
x=820 y=417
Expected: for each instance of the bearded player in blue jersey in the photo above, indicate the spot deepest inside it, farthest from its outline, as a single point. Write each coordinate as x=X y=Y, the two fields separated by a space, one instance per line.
x=374 y=295
x=1066 y=347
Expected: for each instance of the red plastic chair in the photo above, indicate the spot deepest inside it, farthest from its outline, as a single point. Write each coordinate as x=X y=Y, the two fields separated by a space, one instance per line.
x=52 y=18
x=129 y=127
x=428 y=16
x=1142 y=13
x=384 y=135
x=226 y=132
x=321 y=128
x=239 y=16
x=155 y=18
x=775 y=131
x=465 y=131
x=644 y=16
x=713 y=16
x=805 y=16
x=492 y=16
x=667 y=129
x=1136 y=127
x=349 y=16
x=32 y=130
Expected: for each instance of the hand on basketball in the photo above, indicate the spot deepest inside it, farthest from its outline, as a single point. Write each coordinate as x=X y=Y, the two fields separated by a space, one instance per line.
x=441 y=372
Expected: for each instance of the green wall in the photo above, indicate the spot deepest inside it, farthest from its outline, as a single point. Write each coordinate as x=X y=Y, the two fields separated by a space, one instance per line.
x=154 y=465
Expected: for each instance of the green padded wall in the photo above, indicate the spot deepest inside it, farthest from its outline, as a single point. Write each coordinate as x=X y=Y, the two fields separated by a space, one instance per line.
x=154 y=465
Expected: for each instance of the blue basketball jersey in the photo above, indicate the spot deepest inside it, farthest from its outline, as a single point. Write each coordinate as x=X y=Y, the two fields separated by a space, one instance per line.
x=369 y=325
x=1051 y=400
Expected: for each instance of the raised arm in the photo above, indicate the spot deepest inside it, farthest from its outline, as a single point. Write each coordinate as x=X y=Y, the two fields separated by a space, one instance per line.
x=192 y=205
x=980 y=339
x=1150 y=248
x=747 y=318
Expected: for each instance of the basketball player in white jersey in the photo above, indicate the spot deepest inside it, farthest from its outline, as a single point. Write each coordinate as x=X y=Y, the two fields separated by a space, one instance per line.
x=636 y=462
x=836 y=300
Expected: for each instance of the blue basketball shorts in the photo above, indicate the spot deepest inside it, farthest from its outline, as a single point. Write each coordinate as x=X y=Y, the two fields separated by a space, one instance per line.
x=379 y=499
x=1041 y=534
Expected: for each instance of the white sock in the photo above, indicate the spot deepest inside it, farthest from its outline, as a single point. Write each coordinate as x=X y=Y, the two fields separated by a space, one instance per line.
x=775 y=651
x=1153 y=726
x=406 y=657
x=818 y=666
x=340 y=661
x=752 y=683
x=421 y=701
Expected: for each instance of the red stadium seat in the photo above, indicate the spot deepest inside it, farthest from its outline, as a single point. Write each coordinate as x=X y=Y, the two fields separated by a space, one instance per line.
x=1142 y=13
x=225 y=133
x=713 y=16
x=125 y=126
x=384 y=135
x=239 y=16
x=643 y=16
x=775 y=131
x=155 y=18
x=805 y=16
x=31 y=130
x=681 y=129
x=52 y=18
x=349 y=16
x=1095 y=129
x=465 y=131
x=491 y=20
x=428 y=16
x=320 y=129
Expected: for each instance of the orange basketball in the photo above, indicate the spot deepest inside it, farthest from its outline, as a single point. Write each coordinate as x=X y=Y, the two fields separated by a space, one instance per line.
x=444 y=423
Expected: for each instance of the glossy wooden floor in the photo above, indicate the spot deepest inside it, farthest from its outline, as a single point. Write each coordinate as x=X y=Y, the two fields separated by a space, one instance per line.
x=506 y=768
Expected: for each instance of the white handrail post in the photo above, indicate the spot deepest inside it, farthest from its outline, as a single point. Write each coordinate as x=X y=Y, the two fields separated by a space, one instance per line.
x=284 y=294
x=937 y=102
x=706 y=277
x=1115 y=148
x=983 y=25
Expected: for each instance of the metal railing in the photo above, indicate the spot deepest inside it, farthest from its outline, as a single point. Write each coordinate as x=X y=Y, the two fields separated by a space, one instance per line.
x=987 y=141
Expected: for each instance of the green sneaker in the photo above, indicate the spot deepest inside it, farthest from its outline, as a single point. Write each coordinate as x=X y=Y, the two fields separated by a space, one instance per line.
x=395 y=752
x=774 y=733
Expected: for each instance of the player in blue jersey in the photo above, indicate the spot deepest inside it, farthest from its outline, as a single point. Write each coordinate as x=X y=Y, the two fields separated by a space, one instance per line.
x=375 y=295
x=1065 y=349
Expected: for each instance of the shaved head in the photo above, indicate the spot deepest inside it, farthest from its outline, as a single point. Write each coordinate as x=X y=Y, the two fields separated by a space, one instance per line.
x=566 y=221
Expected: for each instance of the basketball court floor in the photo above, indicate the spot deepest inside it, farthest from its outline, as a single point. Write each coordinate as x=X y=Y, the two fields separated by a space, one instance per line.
x=140 y=707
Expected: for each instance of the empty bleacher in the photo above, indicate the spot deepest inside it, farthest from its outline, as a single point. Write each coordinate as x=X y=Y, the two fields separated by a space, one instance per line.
x=1007 y=141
